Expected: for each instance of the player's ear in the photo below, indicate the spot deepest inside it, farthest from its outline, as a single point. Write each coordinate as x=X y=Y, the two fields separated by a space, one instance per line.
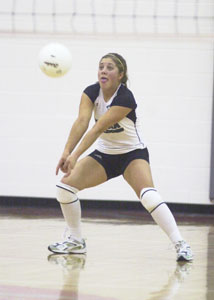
x=121 y=75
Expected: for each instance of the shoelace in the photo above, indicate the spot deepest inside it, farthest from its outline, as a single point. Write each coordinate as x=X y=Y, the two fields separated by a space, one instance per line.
x=68 y=237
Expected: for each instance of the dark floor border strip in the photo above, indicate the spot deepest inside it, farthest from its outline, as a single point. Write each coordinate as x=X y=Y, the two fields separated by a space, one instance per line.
x=206 y=209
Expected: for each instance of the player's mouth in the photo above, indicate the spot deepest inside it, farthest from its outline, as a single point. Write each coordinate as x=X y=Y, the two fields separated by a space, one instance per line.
x=103 y=79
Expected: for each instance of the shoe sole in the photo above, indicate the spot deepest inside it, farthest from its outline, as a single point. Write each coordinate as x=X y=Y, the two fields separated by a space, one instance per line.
x=79 y=251
x=182 y=258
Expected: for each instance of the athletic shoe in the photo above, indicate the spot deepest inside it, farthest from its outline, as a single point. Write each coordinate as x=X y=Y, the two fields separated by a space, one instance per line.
x=184 y=252
x=69 y=246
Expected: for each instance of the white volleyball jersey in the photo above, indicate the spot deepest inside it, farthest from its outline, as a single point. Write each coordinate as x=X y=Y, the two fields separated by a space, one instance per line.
x=124 y=136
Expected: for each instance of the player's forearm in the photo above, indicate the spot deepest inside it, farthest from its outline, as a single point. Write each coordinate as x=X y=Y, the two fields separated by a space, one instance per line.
x=86 y=142
x=77 y=131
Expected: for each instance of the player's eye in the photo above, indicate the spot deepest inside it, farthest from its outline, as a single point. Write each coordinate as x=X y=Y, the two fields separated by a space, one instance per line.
x=110 y=68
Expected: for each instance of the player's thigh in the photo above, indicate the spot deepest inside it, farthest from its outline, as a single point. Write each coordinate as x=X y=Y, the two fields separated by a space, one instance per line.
x=138 y=175
x=87 y=173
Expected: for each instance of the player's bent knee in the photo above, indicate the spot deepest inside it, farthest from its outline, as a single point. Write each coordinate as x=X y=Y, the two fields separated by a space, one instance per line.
x=66 y=194
x=150 y=199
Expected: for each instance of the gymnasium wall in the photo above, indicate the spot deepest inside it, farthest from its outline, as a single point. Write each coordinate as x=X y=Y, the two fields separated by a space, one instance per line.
x=172 y=80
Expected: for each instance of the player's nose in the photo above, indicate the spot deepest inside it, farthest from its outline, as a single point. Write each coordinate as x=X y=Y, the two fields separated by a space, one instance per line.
x=104 y=70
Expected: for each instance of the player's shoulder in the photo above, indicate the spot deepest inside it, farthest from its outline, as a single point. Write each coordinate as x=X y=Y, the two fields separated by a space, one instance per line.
x=124 y=98
x=92 y=91
x=124 y=91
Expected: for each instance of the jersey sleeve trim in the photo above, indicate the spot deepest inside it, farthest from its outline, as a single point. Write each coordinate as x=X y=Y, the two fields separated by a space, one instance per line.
x=92 y=91
x=124 y=101
x=124 y=98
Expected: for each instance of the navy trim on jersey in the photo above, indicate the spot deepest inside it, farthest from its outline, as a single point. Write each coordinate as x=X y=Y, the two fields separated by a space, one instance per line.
x=123 y=98
x=132 y=116
x=92 y=91
x=138 y=135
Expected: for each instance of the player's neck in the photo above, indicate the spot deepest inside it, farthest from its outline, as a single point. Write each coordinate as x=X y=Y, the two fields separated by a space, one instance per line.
x=108 y=93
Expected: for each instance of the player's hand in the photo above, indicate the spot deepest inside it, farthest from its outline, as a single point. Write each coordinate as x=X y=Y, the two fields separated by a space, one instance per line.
x=69 y=164
x=61 y=164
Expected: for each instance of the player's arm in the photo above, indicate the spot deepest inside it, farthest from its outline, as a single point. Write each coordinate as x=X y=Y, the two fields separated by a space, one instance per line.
x=78 y=129
x=112 y=116
x=81 y=124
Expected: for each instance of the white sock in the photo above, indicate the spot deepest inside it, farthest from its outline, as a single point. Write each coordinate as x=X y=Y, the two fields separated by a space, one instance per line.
x=164 y=218
x=72 y=215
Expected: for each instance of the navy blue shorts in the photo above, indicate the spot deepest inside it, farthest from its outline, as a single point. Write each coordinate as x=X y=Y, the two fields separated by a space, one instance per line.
x=115 y=164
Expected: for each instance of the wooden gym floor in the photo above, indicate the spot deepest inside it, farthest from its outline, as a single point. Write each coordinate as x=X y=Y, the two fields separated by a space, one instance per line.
x=127 y=259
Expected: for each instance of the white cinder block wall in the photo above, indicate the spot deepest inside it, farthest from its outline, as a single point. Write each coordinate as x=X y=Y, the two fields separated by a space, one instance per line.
x=172 y=81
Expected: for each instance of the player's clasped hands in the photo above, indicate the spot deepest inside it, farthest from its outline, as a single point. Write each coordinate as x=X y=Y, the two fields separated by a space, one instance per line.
x=66 y=164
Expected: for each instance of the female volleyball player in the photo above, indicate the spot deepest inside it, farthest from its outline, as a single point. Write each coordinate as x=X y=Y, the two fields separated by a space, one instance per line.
x=120 y=151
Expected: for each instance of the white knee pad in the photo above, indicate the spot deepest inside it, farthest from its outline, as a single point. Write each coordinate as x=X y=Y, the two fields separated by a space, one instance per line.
x=66 y=194
x=150 y=199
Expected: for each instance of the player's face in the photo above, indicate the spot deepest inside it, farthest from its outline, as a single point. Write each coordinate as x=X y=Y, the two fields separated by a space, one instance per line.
x=108 y=74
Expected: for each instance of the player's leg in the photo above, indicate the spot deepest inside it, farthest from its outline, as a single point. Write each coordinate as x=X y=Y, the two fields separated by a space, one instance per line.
x=87 y=173
x=138 y=175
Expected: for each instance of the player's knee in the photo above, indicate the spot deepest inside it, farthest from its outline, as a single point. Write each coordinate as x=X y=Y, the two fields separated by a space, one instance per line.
x=66 y=194
x=150 y=199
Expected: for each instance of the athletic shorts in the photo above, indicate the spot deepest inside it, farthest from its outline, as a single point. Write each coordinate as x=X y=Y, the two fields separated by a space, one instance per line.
x=115 y=164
